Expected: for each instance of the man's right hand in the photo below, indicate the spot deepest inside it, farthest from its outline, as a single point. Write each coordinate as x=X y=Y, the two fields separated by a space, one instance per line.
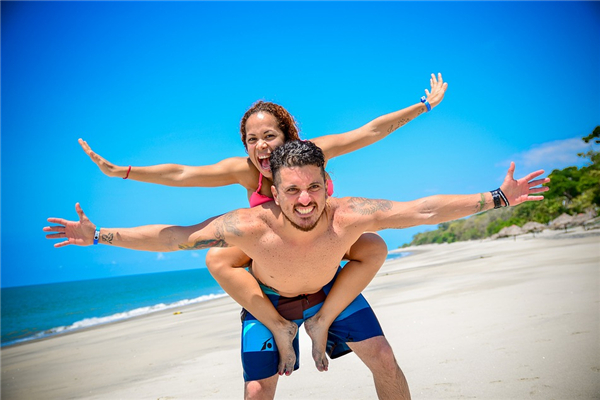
x=79 y=233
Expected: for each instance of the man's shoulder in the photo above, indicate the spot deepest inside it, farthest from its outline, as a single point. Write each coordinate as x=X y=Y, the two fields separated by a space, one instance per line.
x=255 y=217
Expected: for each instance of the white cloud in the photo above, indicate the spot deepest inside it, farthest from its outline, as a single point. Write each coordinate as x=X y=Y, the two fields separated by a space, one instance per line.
x=160 y=256
x=553 y=155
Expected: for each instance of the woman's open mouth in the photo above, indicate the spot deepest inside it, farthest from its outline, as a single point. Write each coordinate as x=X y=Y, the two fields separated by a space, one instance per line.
x=264 y=162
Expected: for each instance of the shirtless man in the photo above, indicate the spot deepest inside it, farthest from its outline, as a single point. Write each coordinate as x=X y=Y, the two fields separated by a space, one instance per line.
x=296 y=244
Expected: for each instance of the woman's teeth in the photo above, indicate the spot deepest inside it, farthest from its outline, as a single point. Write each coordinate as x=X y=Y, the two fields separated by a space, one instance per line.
x=264 y=162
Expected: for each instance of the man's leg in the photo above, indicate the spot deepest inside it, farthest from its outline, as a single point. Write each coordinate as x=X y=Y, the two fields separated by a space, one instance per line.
x=260 y=356
x=378 y=356
x=263 y=389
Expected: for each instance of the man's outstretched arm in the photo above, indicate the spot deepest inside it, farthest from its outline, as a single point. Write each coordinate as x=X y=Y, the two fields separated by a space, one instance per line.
x=442 y=208
x=160 y=238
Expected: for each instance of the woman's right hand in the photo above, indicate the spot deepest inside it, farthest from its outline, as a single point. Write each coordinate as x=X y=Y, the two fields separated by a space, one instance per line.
x=438 y=89
x=105 y=166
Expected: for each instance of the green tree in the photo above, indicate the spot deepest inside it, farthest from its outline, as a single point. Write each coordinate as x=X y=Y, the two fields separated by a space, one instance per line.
x=571 y=190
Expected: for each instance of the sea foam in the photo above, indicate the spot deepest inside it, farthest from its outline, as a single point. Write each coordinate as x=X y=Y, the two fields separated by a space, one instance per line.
x=94 y=321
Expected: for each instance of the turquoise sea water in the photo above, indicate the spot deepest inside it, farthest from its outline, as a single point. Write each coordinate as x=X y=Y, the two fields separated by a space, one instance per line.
x=38 y=311
x=31 y=312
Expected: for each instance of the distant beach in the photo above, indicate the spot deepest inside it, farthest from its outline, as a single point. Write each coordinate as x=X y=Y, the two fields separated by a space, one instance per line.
x=514 y=318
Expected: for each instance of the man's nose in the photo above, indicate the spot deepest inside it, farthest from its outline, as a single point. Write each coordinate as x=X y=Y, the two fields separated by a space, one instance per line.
x=304 y=198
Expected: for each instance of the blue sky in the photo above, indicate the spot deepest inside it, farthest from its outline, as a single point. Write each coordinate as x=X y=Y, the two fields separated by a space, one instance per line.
x=156 y=82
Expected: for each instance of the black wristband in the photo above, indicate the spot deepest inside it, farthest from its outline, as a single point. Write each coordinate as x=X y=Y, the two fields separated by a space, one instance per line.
x=496 y=197
x=501 y=193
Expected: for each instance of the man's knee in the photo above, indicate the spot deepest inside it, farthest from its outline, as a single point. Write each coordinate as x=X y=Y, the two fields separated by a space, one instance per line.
x=260 y=390
x=384 y=354
x=218 y=259
x=214 y=261
x=369 y=246
x=376 y=353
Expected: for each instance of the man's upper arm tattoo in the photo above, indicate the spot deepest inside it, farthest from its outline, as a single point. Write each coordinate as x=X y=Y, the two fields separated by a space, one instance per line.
x=204 y=244
x=364 y=206
x=227 y=223
x=231 y=223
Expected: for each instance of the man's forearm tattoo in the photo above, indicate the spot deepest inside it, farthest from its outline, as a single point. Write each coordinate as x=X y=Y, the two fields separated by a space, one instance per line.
x=108 y=238
x=481 y=203
x=364 y=206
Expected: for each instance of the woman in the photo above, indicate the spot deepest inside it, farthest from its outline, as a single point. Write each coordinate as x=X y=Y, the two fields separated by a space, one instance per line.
x=264 y=127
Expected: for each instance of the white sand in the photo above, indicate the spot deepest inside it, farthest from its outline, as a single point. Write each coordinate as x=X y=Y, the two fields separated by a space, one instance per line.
x=505 y=319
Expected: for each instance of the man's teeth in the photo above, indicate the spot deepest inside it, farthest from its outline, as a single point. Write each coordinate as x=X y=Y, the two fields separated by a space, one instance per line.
x=304 y=210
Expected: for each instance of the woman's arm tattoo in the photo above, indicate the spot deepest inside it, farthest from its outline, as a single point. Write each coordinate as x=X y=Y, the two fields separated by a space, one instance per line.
x=398 y=124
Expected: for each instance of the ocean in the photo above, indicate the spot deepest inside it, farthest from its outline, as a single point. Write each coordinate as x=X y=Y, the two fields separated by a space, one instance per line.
x=39 y=311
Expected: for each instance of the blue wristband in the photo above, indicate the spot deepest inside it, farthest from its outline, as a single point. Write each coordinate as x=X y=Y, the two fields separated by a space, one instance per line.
x=424 y=101
x=97 y=235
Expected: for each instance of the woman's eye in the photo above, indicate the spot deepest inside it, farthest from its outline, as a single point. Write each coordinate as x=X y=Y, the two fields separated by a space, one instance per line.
x=251 y=140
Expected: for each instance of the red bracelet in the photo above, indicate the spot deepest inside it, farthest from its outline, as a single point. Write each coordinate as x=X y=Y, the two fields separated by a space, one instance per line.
x=128 y=171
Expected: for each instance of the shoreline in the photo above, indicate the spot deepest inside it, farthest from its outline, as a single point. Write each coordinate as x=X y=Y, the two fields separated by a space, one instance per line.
x=508 y=319
x=167 y=310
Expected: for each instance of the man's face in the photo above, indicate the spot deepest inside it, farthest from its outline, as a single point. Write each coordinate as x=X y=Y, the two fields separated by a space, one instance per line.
x=301 y=194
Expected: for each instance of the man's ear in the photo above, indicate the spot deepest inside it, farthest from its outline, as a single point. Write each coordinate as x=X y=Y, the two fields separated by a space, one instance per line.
x=274 y=192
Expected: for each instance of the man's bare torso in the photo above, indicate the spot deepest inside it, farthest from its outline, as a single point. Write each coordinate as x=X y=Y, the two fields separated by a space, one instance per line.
x=295 y=262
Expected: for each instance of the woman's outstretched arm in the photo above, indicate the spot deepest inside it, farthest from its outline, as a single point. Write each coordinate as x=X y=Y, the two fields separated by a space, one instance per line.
x=377 y=129
x=226 y=172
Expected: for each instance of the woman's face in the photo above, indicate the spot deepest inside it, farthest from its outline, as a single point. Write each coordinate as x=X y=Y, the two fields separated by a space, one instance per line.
x=262 y=137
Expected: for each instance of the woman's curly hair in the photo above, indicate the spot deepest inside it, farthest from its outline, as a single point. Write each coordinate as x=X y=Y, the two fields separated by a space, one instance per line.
x=286 y=121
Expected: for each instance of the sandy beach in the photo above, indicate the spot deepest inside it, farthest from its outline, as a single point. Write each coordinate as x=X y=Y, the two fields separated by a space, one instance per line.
x=503 y=319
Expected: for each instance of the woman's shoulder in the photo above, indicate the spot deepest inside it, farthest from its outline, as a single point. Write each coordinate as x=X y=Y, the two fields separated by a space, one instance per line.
x=246 y=172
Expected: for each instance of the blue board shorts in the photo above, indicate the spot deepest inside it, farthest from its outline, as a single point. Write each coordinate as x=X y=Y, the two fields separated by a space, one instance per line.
x=260 y=357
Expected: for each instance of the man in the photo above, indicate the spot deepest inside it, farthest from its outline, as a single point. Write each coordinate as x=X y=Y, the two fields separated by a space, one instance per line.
x=296 y=245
